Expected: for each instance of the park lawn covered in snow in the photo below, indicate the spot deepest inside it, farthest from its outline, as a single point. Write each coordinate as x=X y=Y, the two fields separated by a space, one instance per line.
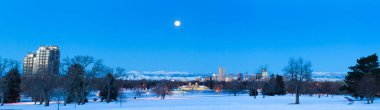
x=214 y=102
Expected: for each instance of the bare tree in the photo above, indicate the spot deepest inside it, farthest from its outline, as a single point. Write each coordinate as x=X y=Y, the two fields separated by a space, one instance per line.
x=121 y=96
x=85 y=61
x=58 y=94
x=98 y=69
x=297 y=72
x=45 y=84
x=5 y=65
x=138 y=89
x=31 y=88
x=163 y=88
x=110 y=87
x=120 y=73
x=234 y=86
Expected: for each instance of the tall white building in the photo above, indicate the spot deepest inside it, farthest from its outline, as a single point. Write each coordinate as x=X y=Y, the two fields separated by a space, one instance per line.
x=45 y=60
x=28 y=64
x=264 y=73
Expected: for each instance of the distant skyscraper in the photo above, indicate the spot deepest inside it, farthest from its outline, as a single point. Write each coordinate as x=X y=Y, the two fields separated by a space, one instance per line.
x=46 y=60
x=221 y=71
x=264 y=73
x=240 y=76
x=214 y=77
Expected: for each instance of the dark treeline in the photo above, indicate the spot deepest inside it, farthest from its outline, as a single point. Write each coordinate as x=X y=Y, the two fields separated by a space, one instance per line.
x=82 y=75
x=277 y=85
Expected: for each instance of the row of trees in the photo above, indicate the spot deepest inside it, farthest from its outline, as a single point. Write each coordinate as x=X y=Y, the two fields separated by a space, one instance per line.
x=278 y=85
x=81 y=75
x=78 y=77
x=296 y=80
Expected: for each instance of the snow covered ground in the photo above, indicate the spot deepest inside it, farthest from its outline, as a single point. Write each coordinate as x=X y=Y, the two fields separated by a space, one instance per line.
x=214 y=102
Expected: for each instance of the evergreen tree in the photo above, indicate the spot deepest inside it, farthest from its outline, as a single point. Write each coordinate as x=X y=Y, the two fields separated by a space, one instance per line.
x=253 y=92
x=75 y=83
x=360 y=73
x=210 y=83
x=13 y=81
x=280 y=85
x=270 y=87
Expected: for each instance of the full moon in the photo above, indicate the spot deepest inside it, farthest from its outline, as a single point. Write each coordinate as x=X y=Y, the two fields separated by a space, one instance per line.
x=177 y=23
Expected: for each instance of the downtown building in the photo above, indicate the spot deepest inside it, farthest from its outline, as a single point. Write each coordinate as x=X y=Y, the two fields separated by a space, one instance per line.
x=45 y=60
x=221 y=72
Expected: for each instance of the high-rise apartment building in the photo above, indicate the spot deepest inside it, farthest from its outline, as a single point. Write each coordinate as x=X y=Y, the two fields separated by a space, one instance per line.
x=28 y=64
x=45 y=60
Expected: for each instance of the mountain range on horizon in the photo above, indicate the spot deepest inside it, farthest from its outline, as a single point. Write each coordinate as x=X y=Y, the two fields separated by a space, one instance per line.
x=181 y=75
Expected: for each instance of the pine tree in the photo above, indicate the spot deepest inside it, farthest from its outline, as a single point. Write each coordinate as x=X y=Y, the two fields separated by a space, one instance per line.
x=13 y=81
x=270 y=86
x=253 y=92
x=359 y=77
x=75 y=83
x=280 y=85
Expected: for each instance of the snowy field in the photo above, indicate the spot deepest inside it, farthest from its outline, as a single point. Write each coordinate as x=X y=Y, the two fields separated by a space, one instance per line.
x=214 y=102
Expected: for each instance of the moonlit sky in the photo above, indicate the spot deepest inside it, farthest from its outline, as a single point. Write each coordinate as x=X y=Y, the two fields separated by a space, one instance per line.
x=240 y=35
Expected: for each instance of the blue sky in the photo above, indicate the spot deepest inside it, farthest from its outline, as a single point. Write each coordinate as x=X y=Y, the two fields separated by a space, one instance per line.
x=240 y=35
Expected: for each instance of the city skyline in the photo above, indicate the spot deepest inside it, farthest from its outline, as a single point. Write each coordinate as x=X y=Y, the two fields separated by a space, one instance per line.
x=240 y=38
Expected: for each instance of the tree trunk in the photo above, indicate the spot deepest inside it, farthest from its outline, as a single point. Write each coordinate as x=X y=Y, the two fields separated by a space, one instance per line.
x=35 y=100
x=368 y=101
x=83 y=92
x=2 y=99
x=64 y=100
x=108 y=94
x=120 y=102
x=2 y=89
x=58 y=103
x=47 y=100
x=41 y=99
x=297 y=94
